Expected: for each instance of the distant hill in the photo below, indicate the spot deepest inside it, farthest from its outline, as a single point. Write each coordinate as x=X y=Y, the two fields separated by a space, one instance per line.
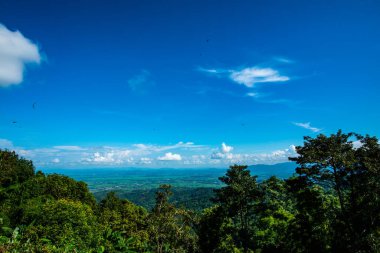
x=191 y=198
x=281 y=170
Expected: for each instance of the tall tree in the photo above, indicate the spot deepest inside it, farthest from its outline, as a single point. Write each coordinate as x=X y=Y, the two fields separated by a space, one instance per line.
x=237 y=200
x=171 y=228
x=350 y=173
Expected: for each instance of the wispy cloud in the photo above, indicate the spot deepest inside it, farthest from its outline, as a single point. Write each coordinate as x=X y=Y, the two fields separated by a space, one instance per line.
x=250 y=76
x=6 y=144
x=211 y=71
x=159 y=148
x=283 y=60
x=69 y=148
x=307 y=126
x=15 y=52
x=253 y=94
x=141 y=82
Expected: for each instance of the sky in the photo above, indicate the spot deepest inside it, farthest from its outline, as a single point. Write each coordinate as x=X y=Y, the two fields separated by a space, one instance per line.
x=174 y=84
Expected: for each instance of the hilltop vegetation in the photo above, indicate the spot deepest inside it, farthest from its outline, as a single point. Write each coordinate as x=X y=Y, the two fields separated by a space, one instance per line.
x=195 y=199
x=331 y=204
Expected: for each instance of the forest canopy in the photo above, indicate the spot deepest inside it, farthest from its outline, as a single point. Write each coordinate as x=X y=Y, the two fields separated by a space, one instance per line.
x=331 y=204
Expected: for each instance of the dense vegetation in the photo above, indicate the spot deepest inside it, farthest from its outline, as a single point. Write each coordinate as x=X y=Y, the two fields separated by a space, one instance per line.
x=195 y=199
x=332 y=204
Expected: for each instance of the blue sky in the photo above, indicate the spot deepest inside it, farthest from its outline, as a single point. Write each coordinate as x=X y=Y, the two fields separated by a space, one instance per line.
x=183 y=83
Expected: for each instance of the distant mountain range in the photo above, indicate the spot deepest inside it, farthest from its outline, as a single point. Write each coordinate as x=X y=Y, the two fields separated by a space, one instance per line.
x=281 y=170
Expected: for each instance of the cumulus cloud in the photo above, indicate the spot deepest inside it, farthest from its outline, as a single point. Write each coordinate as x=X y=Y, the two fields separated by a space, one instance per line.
x=308 y=126
x=223 y=152
x=110 y=157
x=217 y=155
x=170 y=157
x=226 y=149
x=276 y=156
x=15 y=52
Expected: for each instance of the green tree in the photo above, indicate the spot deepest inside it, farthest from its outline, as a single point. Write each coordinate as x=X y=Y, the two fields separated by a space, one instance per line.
x=215 y=232
x=275 y=212
x=122 y=220
x=171 y=229
x=351 y=174
x=63 y=222
x=237 y=200
x=14 y=169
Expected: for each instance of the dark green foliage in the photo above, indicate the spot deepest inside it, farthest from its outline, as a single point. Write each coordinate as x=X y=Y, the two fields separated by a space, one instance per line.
x=195 y=199
x=348 y=193
x=14 y=170
x=274 y=212
x=122 y=220
x=236 y=201
x=63 y=221
x=170 y=228
x=57 y=187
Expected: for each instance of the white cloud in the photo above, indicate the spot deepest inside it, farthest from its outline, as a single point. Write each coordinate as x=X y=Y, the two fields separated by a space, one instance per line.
x=148 y=148
x=308 y=126
x=184 y=154
x=111 y=157
x=145 y=160
x=250 y=76
x=15 y=52
x=5 y=144
x=276 y=156
x=223 y=153
x=212 y=71
x=170 y=157
x=283 y=60
x=217 y=155
x=252 y=94
x=226 y=149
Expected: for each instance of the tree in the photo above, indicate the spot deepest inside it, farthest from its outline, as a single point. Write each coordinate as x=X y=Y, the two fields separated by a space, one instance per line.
x=14 y=169
x=123 y=220
x=236 y=200
x=63 y=222
x=350 y=173
x=275 y=212
x=171 y=228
